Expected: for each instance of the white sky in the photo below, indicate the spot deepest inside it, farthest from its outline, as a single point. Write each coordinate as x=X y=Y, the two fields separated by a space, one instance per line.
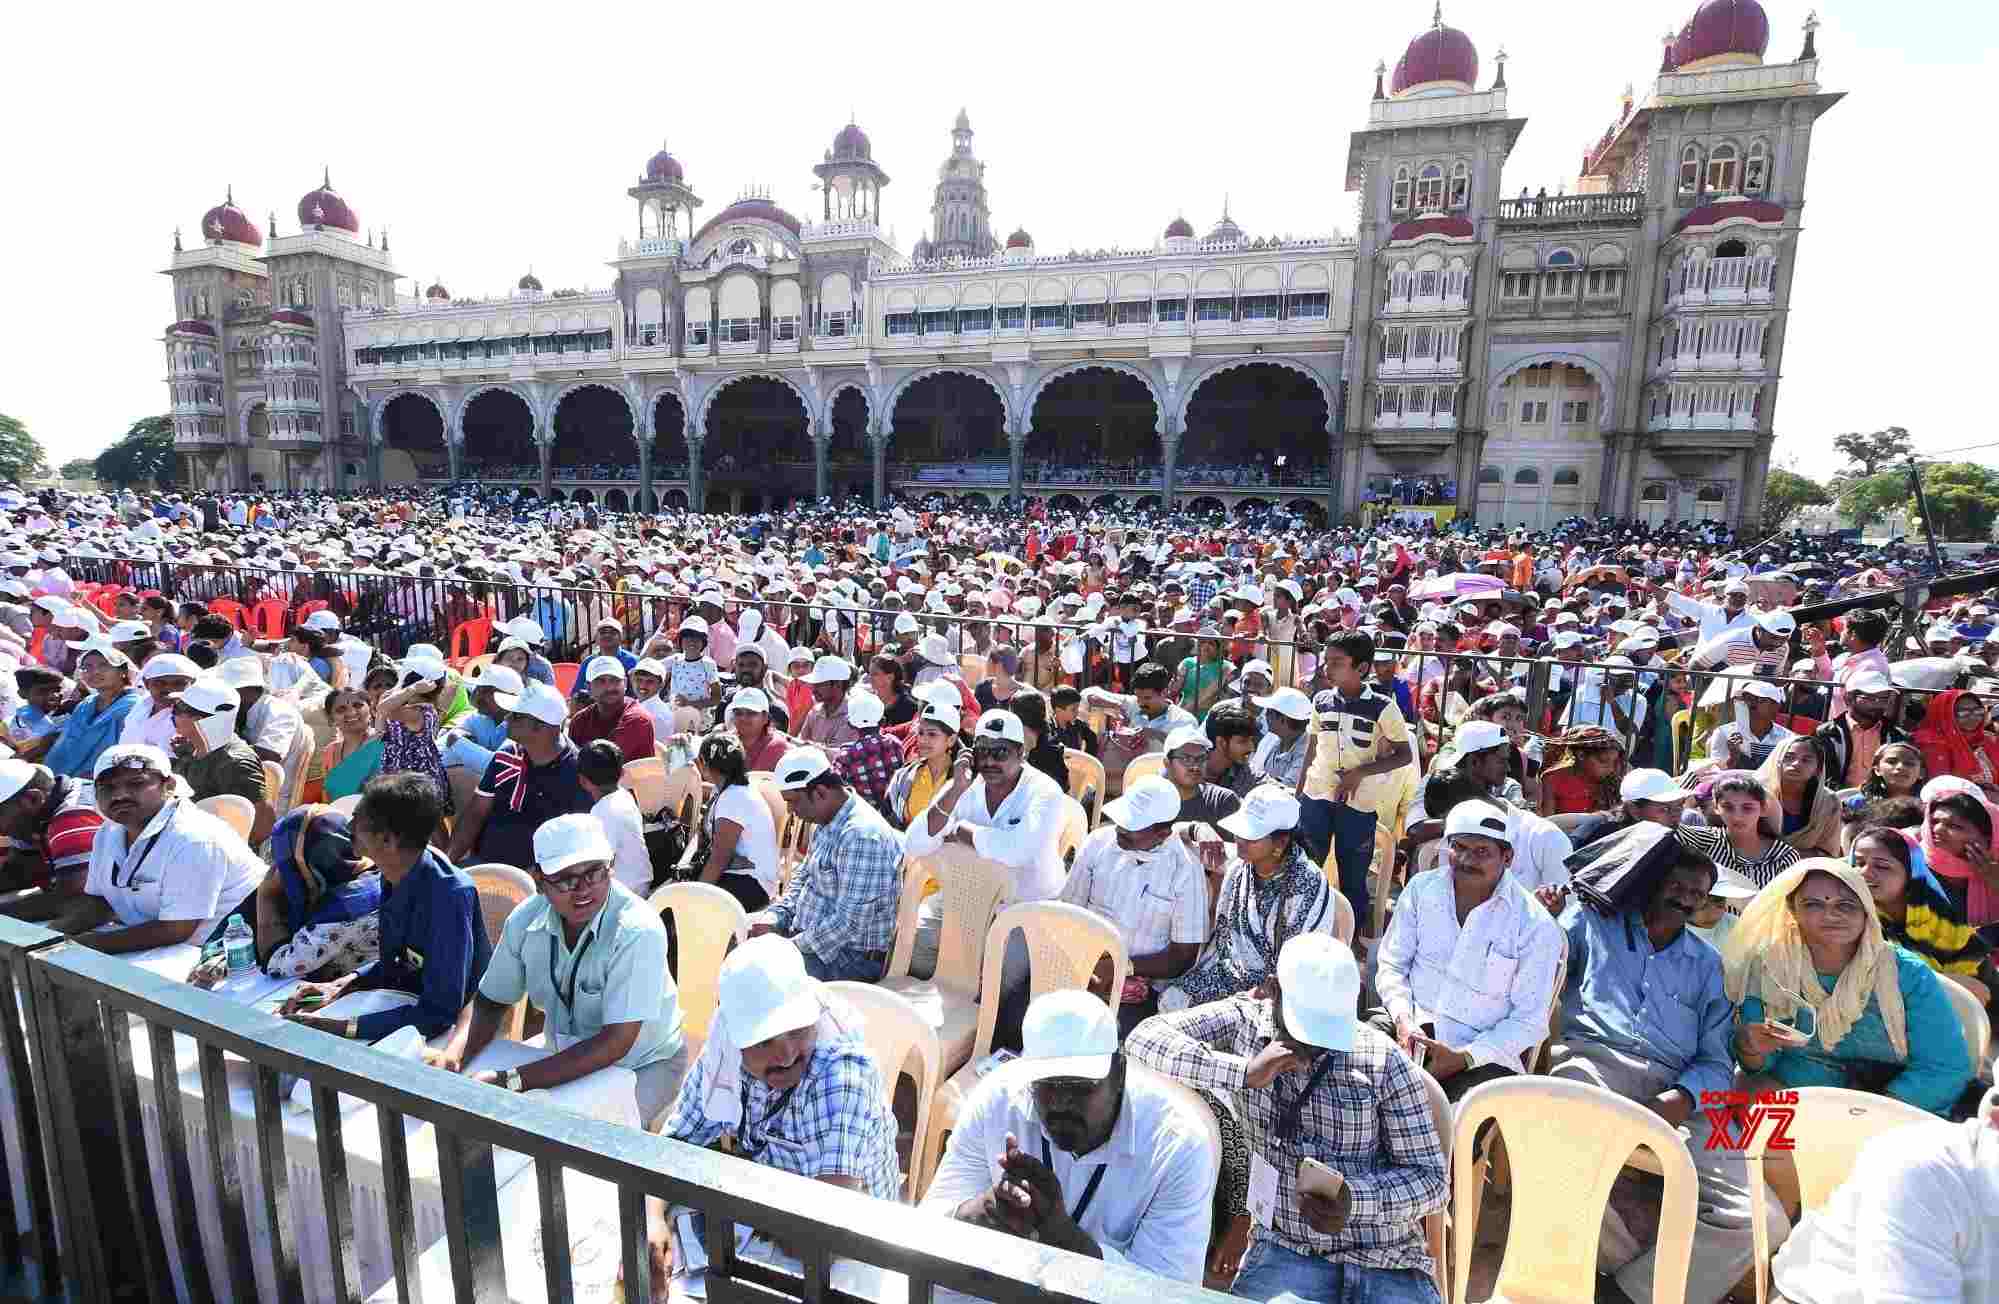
x=493 y=140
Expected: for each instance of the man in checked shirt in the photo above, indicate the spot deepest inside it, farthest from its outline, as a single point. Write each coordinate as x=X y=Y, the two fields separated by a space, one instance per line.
x=871 y=760
x=1309 y=1080
x=840 y=906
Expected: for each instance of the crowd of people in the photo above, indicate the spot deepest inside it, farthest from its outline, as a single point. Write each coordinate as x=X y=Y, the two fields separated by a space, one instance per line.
x=1369 y=812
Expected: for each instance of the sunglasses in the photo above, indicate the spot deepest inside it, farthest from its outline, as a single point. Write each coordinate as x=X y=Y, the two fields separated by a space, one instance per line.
x=578 y=881
x=992 y=751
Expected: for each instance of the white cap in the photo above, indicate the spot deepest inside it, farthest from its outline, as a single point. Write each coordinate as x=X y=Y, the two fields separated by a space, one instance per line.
x=600 y=667
x=1067 y=1034
x=1477 y=736
x=691 y=625
x=906 y=624
x=129 y=631
x=947 y=715
x=526 y=629
x=170 y=664
x=1002 y=725
x=1566 y=637
x=763 y=991
x=1321 y=986
x=430 y=669
x=750 y=699
x=537 y=700
x=1736 y=585
x=1480 y=819
x=324 y=619
x=1780 y=623
x=209 y=694
x=1269 y=808
x=798 y=654
x=1256 y=666
x=1286 y=702
x=1867 y=681
x=1651 y=785
x=15 y=774
x=611 y=622
x=1732 y=884
x=1500 y=629
x=132 y=756
x=104 y=648
x=1761 y=688
x=650 y=666
x=1186 y=734
x=830 y=670
x=499 y=678
x=1149 y=802
x=864 y=709
x=571 y=840
x=242 y=672
x=800 y=766
x=935 y=649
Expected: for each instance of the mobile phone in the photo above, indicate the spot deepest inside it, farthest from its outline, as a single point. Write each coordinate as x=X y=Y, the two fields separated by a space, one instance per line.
x=1318 y=1179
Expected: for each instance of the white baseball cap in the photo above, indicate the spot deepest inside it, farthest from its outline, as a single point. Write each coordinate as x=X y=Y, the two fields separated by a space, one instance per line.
x=601 y=667
x=1269 y=808
x=170 y=664
x=499 y=678
x=209 y=694
x=1480 y=819
x=242 y=672
x=1146 y=804
x=132 y=756
x=1567 y=637
x=1651 y=785
x=1867 y=681
x=830 y=670
x=1003 y=725
x=129 y=631
x=1186 y=734
x=935 y=649
x=1477 y=736
x=1761 y=688
x=105 y=648
x=1255 y=666
x=571 y=840
x=650 y=666
x=1321 y=987
x=763 y=991
x=526 y=629
x=800 y=766
x=691 y=625
x=750 y=699
x=906 y=624
x=430 y=669
x=1286 y=702
x=537 y=700
x=864 y=709
x=1780 y=623
x=799 y=654
x=945 y=714
x=324 y=619
x=16 y=774
x=1067 y=1034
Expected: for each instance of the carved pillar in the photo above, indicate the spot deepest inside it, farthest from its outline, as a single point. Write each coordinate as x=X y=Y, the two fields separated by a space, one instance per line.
x=375 y=463
x=697 y=479
x=1336 y=456
x=819 y=443
x=878 y=443
x=546 y=446
x=1756 y=470
x=1607 y=495
x=645 y=475
x=1169 y=456
x=1016 y=451
x=454 y=451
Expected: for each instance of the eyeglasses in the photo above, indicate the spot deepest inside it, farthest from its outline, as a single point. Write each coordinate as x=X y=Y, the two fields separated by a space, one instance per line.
x=1844 y=908
x=992 y=752
x=581 y=879
x=1186 y=757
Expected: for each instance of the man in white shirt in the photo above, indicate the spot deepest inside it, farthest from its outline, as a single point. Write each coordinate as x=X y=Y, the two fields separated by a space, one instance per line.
x=1144 y=880
x=271 y=724
x=1609 y=698
x=1914 y=1221
x=152 y=721
x=599 y=765
x=1738 y=749
x=1466 y=971
x=1716 y=619
x=1070 y=1147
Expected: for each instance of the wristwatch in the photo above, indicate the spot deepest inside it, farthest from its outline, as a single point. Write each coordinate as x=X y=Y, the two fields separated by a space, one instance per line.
x=511 y=1080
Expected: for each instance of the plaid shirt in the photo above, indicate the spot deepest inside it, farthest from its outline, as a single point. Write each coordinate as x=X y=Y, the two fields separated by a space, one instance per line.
x=834 y=1123
x=869 y=763
x=1200 y=590
x=1367 y=1115
x=844 y=896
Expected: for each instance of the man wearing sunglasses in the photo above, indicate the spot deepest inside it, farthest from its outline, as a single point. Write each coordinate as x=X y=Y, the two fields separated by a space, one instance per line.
x=591 y=956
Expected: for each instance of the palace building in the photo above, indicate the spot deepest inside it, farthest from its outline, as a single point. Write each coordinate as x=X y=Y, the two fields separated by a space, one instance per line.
x=1610 y=350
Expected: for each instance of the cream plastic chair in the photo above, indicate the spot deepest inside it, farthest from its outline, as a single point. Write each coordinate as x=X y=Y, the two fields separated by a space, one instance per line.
x=1436 y=1226
x=1086 y=775
x=1148 y=765
x=646 y=779
x=1568 y=1142
x=1343 y=919
x=1829 y=1125
x=971 y=888
x=237 y=812
x=274 y=786
x=896 y=1030
x=501 y=889
x=464 y=786
x=1075 y=827
x=1977 y=1026
x=765 y=785
x=1064 y=944
x=707 y=922
x=1535 y=1056
x=347 y=805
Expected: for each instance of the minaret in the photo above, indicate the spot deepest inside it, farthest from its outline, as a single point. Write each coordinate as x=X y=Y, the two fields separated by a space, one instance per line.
x=961 y=224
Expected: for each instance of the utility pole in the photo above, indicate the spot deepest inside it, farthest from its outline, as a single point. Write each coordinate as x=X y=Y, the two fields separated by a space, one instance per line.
x=1923 y=506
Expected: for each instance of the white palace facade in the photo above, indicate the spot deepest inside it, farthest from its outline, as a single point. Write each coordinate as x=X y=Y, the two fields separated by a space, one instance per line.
x=1611 y=351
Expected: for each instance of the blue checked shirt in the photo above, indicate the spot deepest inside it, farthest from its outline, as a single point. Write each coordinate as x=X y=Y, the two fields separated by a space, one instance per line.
x=1367 y=1115
x=1200 y=591
x=844 y=896
x=834 y=1123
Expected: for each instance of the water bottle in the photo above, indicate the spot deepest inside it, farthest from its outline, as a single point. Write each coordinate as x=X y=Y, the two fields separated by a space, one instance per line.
x=240 y=945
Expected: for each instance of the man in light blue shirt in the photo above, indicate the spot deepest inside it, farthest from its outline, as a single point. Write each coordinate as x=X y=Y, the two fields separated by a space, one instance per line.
x=591 y=956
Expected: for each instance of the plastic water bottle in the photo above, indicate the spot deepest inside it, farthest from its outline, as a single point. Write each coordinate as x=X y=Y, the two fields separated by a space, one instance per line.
x=239 y=944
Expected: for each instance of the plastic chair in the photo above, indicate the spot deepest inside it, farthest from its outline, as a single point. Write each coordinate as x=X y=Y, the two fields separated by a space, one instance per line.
x=470 y=637
x=1064 y=944
x=106 y=599
x=970 y=887
x=501 y=889
x=1436 y=1225
x=1568 y=1142
x=565 y=676
x=308 y=608
x=1683 y=739
x=274 y=784
x=1343 y=917
x=267 y=618
x=237 y=812
x=896 y=1030
x=464 y=786
x=1075 y=827
x=231 y=610
x=1830 y=1125
x=1149 y=765
x=646 y=777
x=1086 y=778
x=1977 y=1025
x=765 y=785
x=347 y=805
x=470 y=669
x=707 y=922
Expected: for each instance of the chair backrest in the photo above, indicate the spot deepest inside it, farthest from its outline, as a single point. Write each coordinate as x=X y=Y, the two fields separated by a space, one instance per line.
x=1191 y=1104
x=1086 y=779
x=707 y=921
x=765 y=785
x=235 y=811
x=501 y=888
x=1146 y=766
x=229 y=609
x=1064 y=944
x=1343 y=921
x=274 y=785
x=464 y=783
x=970 y=889
x=1567 y=1143
x=347 y=805
x=896 y=1030
x=307 y=608
x=1434 y=1224
x=646 y=777
x=1683 y=738
x=473 y=667
x=267 y=618
x=469 y=637
x=1829 y=1125
x=1977 y=1025
x=1075 y=826
x=1554 y=1013
x=565 y=676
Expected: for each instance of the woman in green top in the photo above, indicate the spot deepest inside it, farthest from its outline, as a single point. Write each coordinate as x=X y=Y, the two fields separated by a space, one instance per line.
x=1203 y=677
x=354 y=754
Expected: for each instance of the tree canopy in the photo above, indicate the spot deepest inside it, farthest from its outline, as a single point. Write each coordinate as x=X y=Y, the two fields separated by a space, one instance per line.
x=143 y=455
x=1785 y=492
x=1963 y=498
x=1870 y=452
x=21 y=454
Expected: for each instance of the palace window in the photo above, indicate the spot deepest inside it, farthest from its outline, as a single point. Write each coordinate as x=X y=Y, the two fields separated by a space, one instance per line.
x=1516 y=285
x=1013 y=317
x=1575 y=413
x=979 y=320
x=1426 y=285
x=1401 y=189
x=1315 y=306
x=1753 y=169
x=1567 y=477
x=1391 y=346
x=1171 y=309
x=1430 y=189
x=899 y=323
x=1690 y=170
x=1534 y=412
x=1559 y=285
x=1133 y=313
x=1721 y=170
x=1603 y=283
x=1050 y=317
x=1259 y=307
x=1213 y=309
x=833 y=324
x=1460 y=185
x=1527 y=475
x=784 y=328
x=936 y=323
x=1088 y=314
x=1422 y=343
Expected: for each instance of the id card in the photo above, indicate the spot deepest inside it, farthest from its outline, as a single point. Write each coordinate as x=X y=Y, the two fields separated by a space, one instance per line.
x=1262 y=1191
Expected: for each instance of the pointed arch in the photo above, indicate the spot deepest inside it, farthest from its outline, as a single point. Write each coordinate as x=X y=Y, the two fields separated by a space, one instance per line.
x=548 y=416
x=454 y=426
x=699 y=425
x=650 y=409
x=1159 y=408
x=886 y=421
x=824 y=424
x=380 y=405
x=1606 y=382
x=1248 y=360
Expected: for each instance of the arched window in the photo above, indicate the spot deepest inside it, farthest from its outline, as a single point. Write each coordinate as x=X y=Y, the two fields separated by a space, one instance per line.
x=1753 y=170
x=1430 y=189
x=1491 y=475
x=1460 y=185
x=1721 y=170
x=1527 y=475
x=1690 y=170
x=1401 y=202
x=1712 y=493
x=1567 y=477
x=1654 y=493
x=1731 y=249
x=1561 y=258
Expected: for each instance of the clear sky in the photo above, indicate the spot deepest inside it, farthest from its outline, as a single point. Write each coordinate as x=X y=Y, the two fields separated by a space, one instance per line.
x=491 y=140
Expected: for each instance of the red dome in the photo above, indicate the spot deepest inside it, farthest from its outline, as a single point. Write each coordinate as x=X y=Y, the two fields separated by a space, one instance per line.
x=191 y=328
x=852 y=142
x=760 y=208
x=1723 y=27
x=665 y=167
x=292 y=317
x=1422 y=226
x=225 y=221
x=1179 y=229
x=1756 y=210
x=1020 y=239
x=1442 y=54
x=529 y=282
x=437 y=291
x=323 y=207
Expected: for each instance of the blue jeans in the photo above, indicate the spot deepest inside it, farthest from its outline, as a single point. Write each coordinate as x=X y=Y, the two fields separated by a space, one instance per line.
x=1315 y=827
x=1353 y=854
x=1271 y=1272
x=845 y=966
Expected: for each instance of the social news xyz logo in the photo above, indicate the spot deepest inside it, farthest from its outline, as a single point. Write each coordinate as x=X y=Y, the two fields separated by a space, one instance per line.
x=1734 y=1117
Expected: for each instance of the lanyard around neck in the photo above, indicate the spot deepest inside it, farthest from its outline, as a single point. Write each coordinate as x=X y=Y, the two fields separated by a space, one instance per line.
x=1089 y=1190
x=132 y=868
x=567 y=997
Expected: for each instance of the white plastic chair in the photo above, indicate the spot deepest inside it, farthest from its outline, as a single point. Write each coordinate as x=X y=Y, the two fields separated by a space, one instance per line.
x=501 y=889
x=971 y=888
x=1972 y=1017
x=237 y=812
x=896 y=1030
x=1086 y=777
x=707 y=923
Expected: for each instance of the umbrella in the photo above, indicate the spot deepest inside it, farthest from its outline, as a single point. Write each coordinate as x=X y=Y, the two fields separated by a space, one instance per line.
x=1462 y=585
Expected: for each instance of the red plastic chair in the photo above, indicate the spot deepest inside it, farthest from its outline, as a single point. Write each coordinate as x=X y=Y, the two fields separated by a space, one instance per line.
x=470 y=637
x=268 y=619
x=565 y=676
x=307 y=608
x=106 y=599
x=231 y=610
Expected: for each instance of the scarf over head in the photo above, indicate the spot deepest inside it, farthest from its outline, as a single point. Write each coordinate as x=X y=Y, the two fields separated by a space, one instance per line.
x=1948 y=749
x=325 y=880
x=1821 y=831
x=1981 y=901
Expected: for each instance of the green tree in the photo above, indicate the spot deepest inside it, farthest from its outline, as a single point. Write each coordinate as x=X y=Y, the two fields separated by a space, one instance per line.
x=1963 y=499
x=1871 y=452
x=1869 y=498
x=1784 y=493
x=78 y=468
x=21 y=454
x=143 y=455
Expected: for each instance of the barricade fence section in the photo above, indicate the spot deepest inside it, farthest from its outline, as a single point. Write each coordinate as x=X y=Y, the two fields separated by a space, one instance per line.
x=139 y=1182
